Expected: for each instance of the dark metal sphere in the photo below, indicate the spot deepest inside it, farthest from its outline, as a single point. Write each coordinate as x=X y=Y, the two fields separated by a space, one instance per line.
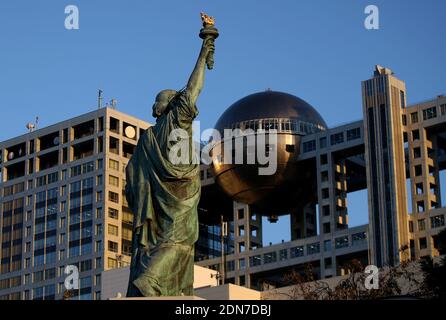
x=269 y=104
x=292 y=117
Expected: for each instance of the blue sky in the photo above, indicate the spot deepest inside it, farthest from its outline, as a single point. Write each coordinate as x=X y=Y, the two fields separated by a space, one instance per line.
x=317 y=50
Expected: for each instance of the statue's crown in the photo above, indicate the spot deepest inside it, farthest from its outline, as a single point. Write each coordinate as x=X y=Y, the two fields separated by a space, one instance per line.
x=207 y=20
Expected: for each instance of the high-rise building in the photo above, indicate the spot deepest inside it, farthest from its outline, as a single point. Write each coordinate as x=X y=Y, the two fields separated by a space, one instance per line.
x=62 y=203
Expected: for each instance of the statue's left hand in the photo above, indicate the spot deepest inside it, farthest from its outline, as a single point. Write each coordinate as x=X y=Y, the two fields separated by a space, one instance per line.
x=208 y=46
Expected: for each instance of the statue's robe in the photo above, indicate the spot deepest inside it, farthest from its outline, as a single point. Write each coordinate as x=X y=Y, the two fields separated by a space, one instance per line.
x=163 y=198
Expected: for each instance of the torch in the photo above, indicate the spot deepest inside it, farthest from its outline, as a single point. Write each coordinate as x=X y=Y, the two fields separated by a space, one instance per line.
x=209 y=31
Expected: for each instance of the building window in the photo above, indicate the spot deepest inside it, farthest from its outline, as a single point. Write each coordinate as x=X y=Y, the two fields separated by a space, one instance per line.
x=418 y=170
x=269 y=257
x=241 y=213
x=421 y=225
x=414 y=117
x=353 y=134
x=404 y=120
x=97 y=280
x=112 y=263
x=241 y=231
x=324 y=176
x=113 y=230
x=327 y=263
x=324 y=159
x=41 y=181
x=419 y=188
x=230 y=266
x=113 y=213
x=443 y=109
x=415 y=135
x=313 y=248
x=326 y=210
x=423 y=243
x=53 y=177
x=341 y=242
x=241 y=264
x=437 y=221
x=98 y=263
x=430 y=113
x=325 y=193
x=411 y=226
x=309 y=146
x=327 y=245
x=113 y=164
x=114 y=181
x=242 y=281
x=337 y=138
x=402 y=99
x=112 y=246
x=297 y=252
x=420 y=206
x=326 y=227
x=323 y=142
x=255 y=261
x=416 y=152
x=283 y=254
x=358 y=238
x=98 y=247
x=113 y=197
x=290 y=148
x=98 y=229
x=99 y=213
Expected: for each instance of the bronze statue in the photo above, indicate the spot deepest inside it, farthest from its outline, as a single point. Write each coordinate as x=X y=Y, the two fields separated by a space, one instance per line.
x=164 y=196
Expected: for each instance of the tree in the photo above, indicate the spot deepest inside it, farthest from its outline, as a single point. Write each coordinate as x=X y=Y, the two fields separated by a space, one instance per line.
x=435 y=277
x=393 y=281
x=440 y=242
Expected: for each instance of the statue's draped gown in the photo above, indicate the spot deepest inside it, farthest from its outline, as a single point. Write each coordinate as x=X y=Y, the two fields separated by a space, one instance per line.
x=163 y=198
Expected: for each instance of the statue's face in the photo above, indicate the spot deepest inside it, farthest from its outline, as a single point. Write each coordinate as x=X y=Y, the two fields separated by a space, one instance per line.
x=161 y=102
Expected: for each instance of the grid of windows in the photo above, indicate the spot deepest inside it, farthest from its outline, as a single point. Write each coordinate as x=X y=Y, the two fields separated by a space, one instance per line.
x=80 y=217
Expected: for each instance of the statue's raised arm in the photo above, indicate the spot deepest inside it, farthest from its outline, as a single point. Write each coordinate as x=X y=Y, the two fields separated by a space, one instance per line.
x=208 y=33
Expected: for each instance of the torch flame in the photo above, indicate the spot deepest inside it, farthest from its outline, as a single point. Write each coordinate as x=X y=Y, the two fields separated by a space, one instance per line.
x=208 y=20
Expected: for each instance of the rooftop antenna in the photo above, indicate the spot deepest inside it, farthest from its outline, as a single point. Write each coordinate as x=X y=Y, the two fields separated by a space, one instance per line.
x=113 y=103
x=99 y=99
x=32 y=126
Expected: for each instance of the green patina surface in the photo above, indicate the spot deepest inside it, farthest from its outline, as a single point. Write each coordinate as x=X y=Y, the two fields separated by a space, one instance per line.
x=164 y=196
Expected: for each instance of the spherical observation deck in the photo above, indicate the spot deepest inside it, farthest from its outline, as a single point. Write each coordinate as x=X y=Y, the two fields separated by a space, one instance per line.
x=263 y=112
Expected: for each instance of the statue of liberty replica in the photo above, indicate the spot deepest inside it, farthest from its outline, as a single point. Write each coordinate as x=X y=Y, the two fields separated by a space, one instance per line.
x=162 y=194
